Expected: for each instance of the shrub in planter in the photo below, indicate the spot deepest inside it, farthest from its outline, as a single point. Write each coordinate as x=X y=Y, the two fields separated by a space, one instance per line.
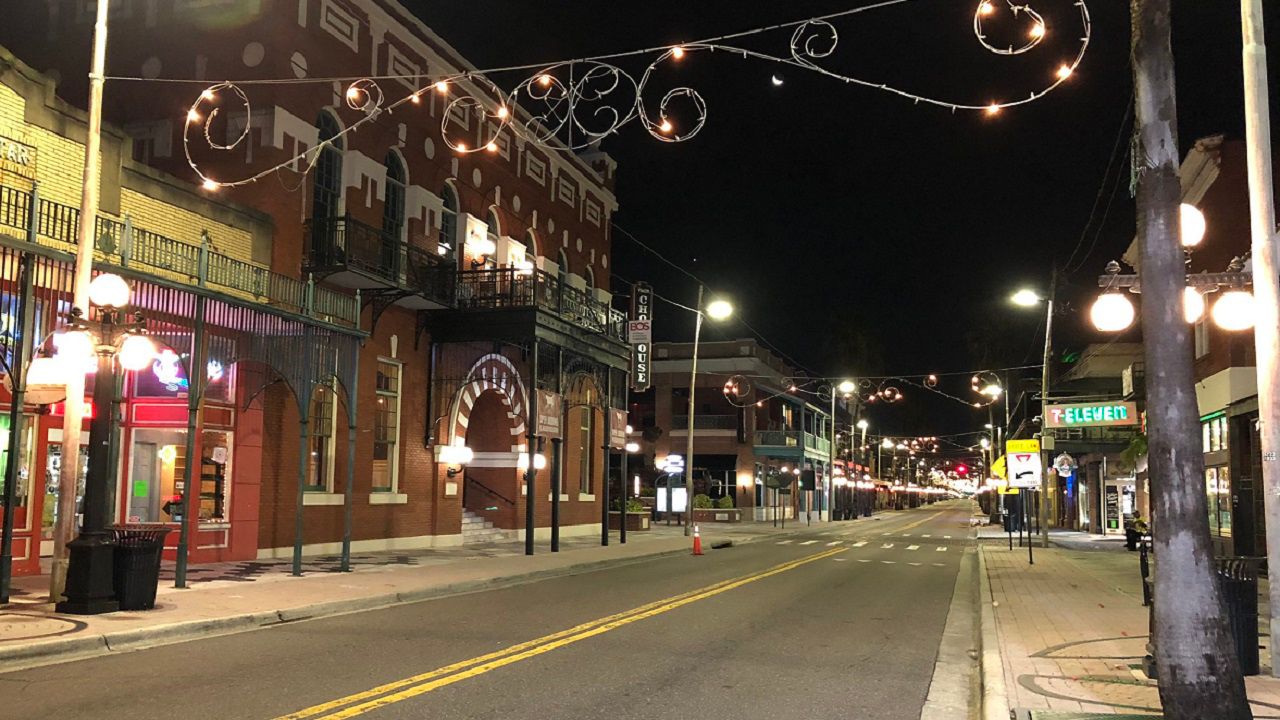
x=702 y=502
x=725 y=503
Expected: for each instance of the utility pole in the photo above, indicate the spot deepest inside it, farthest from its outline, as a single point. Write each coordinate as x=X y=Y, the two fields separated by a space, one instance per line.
x=69 y=473
x=1198 y=672
x=1044 y=413
x=1266 y=331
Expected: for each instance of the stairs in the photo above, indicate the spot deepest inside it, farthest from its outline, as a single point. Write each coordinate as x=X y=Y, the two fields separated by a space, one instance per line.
x=477 y=530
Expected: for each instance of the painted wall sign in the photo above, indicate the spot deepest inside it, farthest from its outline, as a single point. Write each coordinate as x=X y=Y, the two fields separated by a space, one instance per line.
x=641 y=310
x=17 y=158
x=1100 y=414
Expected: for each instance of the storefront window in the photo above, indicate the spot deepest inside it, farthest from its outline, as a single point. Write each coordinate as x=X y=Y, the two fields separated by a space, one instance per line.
x=157 y=461
x=1218 y=492
x=52 y=467
x=1214 y=434
x=386 y=427
x=22 y=488
x=219 y=381
x=215 y=475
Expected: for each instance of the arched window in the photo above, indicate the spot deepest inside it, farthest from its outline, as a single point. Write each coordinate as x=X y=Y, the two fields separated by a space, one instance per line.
x=393 y=214
x=393 y=206
x=448 y=222
x=590 y=277
x=326 y=192
x=562 y=270
x=493 y=233
x=531 y=248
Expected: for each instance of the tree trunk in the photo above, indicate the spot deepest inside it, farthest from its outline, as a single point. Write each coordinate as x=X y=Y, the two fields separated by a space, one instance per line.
x=1199 y=675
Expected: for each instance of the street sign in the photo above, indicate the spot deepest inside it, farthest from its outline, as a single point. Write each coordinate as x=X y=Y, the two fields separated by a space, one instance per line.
x=640 y=331
x=1023 y=458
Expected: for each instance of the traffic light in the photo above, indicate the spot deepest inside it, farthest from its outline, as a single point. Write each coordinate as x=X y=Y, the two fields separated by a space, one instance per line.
x=962 y=469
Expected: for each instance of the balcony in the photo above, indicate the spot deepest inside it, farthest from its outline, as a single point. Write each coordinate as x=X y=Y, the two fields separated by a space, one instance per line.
x=351 y=254
x=123 y=245
x=680 y=423
x=790 y=443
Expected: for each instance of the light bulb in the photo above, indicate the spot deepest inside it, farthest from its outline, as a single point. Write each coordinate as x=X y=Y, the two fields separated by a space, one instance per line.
x=1037 y=30
x=109 y=290
x=137 y=352
x=461 y=147
x=986 y=8
x=442 y=86
x=1193 y=225
x=492 y=147
x=1064 y=72
x=193 y=115
x=1192 y=304
x=415 y=98
x=677 y=53
x=73 y=347
x=544 y=80
x=1112 y=312
x=502 y=111
x=353 y=93
x=993 y=108
x=210 y=184
x=665 y=126
x=1234 y=310
x=207 y=94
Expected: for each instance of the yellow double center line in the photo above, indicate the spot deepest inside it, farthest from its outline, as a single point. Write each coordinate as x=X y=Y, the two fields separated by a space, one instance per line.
x=396 y=691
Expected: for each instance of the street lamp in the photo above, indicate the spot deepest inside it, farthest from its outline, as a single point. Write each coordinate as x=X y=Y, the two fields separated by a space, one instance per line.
x=119 y=344
x=717 y=310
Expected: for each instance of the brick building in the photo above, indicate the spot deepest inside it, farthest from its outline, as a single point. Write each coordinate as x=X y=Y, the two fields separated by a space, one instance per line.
x=482 y=278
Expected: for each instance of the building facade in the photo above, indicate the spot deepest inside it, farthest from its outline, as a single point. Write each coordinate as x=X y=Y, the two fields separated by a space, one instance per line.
x=480 y=281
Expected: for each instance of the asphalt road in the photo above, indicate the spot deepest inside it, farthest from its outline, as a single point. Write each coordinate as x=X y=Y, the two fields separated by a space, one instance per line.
x=841 y=621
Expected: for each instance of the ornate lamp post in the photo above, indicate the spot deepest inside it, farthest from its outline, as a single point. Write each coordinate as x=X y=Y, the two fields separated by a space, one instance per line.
x=117 y=344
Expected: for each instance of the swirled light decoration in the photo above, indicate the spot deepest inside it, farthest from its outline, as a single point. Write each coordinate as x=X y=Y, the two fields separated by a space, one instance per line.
x=572 y=104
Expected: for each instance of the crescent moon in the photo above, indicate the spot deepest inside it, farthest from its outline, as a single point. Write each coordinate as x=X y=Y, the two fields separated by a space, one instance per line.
x=776 y=80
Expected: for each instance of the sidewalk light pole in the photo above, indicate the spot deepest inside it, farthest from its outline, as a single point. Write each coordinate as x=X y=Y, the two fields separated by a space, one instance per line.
x=1029 y=298
x=716 y=310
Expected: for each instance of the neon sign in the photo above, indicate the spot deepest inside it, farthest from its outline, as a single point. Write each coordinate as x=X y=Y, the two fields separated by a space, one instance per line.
x=1100 y=414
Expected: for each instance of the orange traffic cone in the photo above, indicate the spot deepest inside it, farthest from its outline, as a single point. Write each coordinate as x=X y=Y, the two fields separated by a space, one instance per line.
x=697 y=541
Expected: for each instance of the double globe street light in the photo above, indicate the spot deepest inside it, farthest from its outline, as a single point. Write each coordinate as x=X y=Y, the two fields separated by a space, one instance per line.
x=107 y=346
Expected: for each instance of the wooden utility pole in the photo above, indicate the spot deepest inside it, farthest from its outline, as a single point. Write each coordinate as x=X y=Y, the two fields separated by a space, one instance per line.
x=1266 y=332
x=1198 y=672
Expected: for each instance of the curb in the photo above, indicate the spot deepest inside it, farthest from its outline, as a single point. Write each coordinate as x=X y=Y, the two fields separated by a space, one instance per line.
x=994 y=699
x=26 y=656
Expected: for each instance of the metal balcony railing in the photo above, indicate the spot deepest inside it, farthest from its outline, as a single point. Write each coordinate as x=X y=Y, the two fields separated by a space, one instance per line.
x=705 y=422
x=503 y=288
x=120 y=243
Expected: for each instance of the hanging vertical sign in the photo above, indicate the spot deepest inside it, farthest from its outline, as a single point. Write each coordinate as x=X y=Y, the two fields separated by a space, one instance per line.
x=547 y=419
x=642 y=339
x=617 y=429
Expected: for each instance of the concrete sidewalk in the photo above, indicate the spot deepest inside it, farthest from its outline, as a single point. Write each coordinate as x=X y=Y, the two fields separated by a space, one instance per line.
x=232 y=597
x=1071 y=632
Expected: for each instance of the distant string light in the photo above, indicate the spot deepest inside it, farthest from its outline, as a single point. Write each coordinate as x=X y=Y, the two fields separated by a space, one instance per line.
x=598 y=97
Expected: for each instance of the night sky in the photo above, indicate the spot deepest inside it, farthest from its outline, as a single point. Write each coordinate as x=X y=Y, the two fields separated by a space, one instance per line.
x=857 y=232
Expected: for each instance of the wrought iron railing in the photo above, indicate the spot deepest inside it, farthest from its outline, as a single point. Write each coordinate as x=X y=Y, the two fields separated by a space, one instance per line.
x=120 y=243
x=516 y=288
x=342 y=243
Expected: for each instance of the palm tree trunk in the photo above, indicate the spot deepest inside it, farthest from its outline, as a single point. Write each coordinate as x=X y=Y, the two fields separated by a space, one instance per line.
x=1199 y=675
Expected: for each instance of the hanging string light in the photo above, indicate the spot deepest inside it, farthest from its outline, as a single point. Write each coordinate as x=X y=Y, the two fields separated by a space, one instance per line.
x=573 y=104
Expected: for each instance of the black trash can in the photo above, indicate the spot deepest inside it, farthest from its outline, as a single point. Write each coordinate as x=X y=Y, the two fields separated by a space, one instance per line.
x=1238 y=578
x=137 y=564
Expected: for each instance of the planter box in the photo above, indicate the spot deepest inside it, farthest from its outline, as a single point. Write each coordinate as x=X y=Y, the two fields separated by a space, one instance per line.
x=635 y=520
x=728 y=515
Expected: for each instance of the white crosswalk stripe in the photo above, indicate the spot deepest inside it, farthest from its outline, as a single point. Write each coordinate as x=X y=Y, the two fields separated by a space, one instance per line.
x=942 y=548
x=926 y=536
x=888 y=533
x=914 y=564
x=889 y=562
x=946 y=537
x=906 y=534
x=784 y=542
x=839 y=559
x=808 y=542
x=834 y=542
x=862 y=560
x=939 y=564
x=860 y=543
x=913 y=547
x=886 y=546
